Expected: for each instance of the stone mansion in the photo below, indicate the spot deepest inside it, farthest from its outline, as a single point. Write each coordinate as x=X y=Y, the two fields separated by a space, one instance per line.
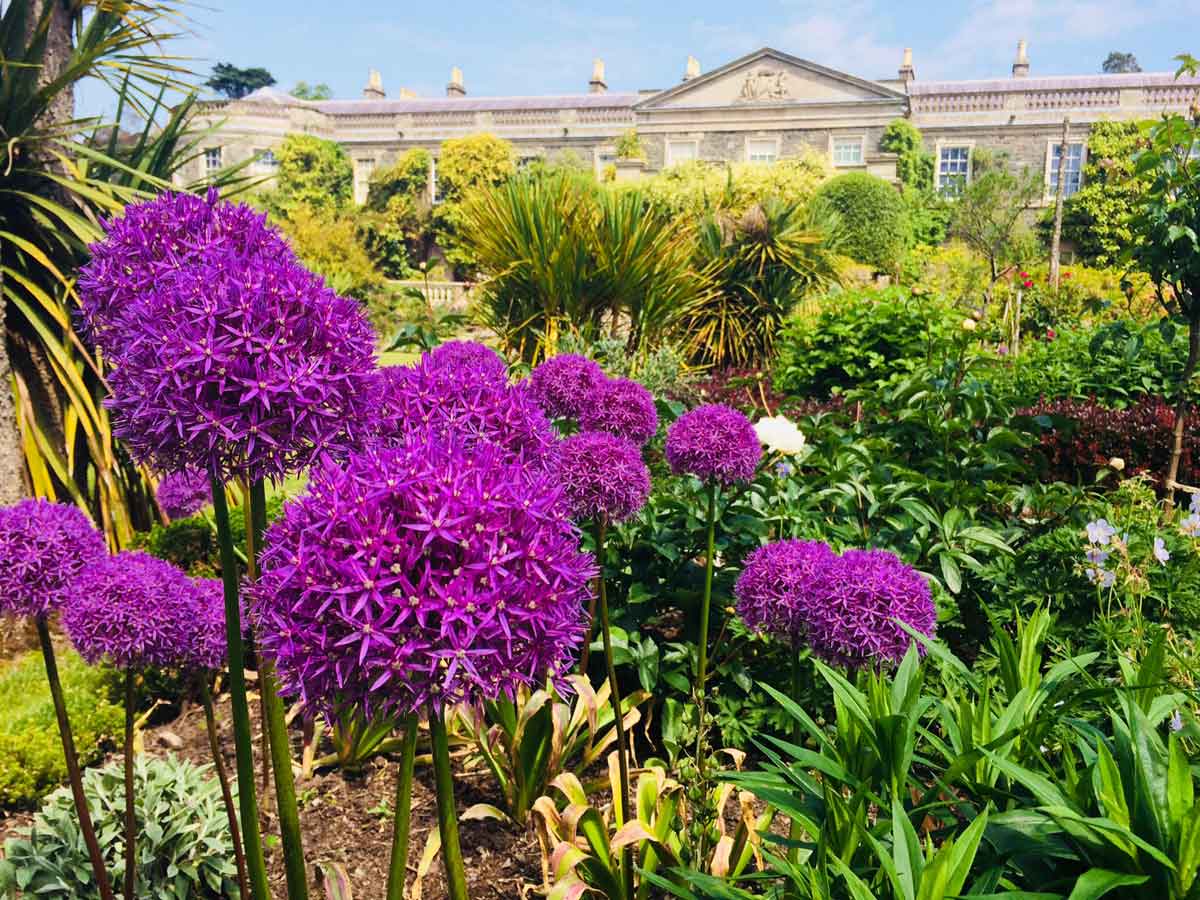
x=759 y=108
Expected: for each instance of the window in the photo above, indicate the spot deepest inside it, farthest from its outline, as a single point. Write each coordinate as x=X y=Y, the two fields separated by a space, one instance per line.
x=847 y=151
x=681 y=151
x=765 y=150
x=1072 y=169
x=954 y=169
x=212 y=160
x=362 y=178
x=433 y=185
x=265 y=160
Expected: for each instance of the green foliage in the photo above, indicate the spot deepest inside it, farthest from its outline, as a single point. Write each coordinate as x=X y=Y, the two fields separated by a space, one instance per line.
x=874 y=221
x=561 y=254
x=313 y=173
x=528 y=742
x=235 y=82
x=696 y=188
x=328 y=243
x=662 y=370
x=861 y=339
x=629 y=145
x=183 y=851
x=466 y=166
x=1096 y=217
x=408 y=177
x=760 y=264
x=31 y=754
x=1115 y=362
x=914 y=164
x=395 y=225
x=188 y=543
x=305 y=91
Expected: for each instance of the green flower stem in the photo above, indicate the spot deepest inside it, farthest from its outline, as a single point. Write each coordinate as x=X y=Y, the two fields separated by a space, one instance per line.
x=456 y=876
x=214 y=746
x=242 y=738
x=130 y=816
x=73 y=775
x=398 y=868
x=795 y=832
x=705 y=606
x=615 y=699
x=276 y=725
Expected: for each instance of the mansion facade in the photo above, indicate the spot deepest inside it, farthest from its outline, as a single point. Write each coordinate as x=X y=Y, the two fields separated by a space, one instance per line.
x=759 y=108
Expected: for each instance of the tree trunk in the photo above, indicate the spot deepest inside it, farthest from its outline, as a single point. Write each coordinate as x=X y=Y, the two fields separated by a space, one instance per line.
x=12 y=461
x=1181 y=400
x=1059 y=193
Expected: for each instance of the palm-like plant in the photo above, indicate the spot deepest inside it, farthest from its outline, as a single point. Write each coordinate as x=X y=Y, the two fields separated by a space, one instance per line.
x=760 y=264
x=58 y=179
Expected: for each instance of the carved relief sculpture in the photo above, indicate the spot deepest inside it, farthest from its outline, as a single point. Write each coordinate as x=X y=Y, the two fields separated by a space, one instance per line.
x=764 y=85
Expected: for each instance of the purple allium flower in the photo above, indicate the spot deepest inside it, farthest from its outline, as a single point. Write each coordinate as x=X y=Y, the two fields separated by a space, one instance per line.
x=565 y=385
x=238 y=361
x=150 y=240
x=621 y=407
x=867 y=591
x=208 y=650
x=713 y=442
x=602 y=476
x=182 y=494
x=133 y=610
x=469 y=358
x=780 y=584
x=421 y=574
x=428 y=400
x=43 y=547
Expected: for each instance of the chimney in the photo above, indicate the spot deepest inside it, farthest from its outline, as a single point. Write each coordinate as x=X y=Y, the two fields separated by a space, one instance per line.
x=455 y=87
x=907 y=72
x=692 y=70
x=374 y=88
x=407 y=93
x=1021 y=63
x=597 y=85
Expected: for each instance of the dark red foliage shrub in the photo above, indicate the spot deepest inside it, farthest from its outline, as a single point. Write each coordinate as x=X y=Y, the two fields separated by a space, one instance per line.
x=751 y=391
x=1083 y=435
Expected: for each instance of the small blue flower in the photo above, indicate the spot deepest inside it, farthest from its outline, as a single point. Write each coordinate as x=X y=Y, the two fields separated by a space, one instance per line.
x=1100 y=532
x=1096 y=556
x=1177 y=719
x=1191 y=525
x=1101 y=577
x=1194 y=504
x=784 y=469
x=1160 y=551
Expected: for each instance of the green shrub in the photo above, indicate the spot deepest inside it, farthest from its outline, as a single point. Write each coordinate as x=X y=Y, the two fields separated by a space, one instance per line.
x=693 y=188
x=466 y=166
x=875 y=221
x=862 y=338
x=31 y=756
x=1115 y=362
x=914 y=164
x=188 y=543
x=313 y=172
x=184 y=849
x=330 y=246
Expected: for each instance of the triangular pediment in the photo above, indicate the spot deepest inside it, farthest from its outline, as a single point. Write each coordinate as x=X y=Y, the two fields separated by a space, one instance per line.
x=769 y=77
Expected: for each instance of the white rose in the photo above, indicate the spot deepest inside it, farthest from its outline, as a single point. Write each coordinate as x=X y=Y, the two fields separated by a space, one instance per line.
x=779 y=433
x=969 y=325
x=1117 y=464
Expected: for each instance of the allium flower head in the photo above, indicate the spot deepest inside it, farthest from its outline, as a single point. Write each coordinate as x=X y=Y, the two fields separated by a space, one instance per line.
x=565 y=385
x=867 y=592
x=150 y=240
x=713 y=442
x=209 y=649
x=182 y=494
x=779 y=585
x=251 y=366
x=622 y=407
x=429 y=400
x=603 y=476
x=133 y=610
x=469 y=359
x=421 y=574
x=43 y=547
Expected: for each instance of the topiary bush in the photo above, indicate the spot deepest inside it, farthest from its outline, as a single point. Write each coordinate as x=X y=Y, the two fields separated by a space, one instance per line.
x=862 y=338
x=874 y=217
x=184 y=848
x=31 y=755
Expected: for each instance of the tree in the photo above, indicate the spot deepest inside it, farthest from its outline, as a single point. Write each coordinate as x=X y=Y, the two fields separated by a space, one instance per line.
x=305 y=91
x=236 y=83
x=312 y=172
x=1117 y=63
x=989 y=215
x=1168 y=226
x=466 y=166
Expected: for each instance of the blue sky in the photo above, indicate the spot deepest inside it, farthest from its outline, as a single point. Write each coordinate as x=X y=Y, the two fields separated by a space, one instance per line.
x=534 y=46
